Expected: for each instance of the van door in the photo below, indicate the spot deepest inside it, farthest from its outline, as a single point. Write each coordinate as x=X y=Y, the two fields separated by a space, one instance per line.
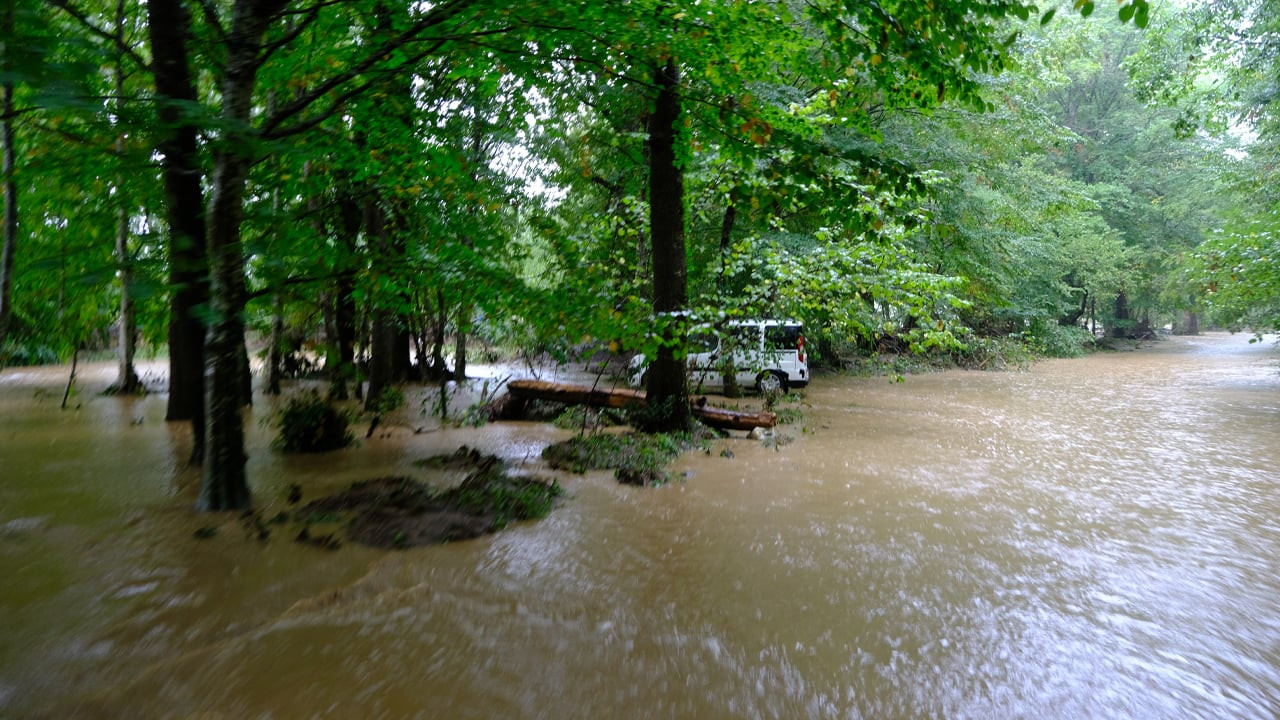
x=704 y=354
x=748 y=360
x=784 y=344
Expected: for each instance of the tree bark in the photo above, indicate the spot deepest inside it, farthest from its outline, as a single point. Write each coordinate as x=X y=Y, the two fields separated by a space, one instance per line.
x=345 y=336
x=1122 y=319
x=340 y=309
x=668 y=390
x=127 y=381
x=168 y=28
x=225 y=485
x=438 y=368
x=1189 y=324
x=462 y=327
x=275 y=354
x=9 y=250
x=382 y=365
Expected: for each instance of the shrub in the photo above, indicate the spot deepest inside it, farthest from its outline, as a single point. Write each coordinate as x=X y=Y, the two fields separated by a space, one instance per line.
x=1059 y=341
x=636 y=458
x=309 y=423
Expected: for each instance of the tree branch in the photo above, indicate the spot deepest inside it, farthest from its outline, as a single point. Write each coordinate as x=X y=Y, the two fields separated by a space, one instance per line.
x=308 y=18
x=289 y=282
x=438 y=15
x=212 y=19
x=110 y=37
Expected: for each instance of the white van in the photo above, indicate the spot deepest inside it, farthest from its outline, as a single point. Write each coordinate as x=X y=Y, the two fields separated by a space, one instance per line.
x=766 y=354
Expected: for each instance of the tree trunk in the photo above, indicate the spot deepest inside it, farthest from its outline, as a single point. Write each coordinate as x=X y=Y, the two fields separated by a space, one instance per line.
x=726 y=236
x=225 y=484
x=460 y=342
x=437 y=340
x=401 y=349
x=275 y=355
x=668 y=391
x=1122 y=320
x=127 y=381
x=345 y=327
x=1190 y=323
x=7 y=168
x=382 y=350
x=168 y=27
x=341 y=330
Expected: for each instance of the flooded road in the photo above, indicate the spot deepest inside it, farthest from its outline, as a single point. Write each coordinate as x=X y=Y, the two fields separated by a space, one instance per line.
x=1094 y=538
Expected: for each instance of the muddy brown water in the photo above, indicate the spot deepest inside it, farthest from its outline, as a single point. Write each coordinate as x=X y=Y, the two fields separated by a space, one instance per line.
x=1094 y=538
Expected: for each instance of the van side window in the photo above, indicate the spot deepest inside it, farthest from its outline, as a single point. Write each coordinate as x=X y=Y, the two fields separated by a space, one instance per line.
x=702 y=342
x=744 y=337
x=781 y=337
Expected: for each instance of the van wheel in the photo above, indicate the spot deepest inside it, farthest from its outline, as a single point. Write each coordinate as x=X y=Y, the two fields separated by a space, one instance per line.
x=771 y=382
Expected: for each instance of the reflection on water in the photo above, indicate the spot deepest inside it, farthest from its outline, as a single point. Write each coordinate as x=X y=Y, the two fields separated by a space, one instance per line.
x=1093 y=538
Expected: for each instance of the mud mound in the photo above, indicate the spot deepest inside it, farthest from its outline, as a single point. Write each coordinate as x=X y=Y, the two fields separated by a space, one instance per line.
x=401 y=512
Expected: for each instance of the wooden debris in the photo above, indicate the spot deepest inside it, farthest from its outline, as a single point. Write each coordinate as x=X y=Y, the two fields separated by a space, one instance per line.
x=626 y=397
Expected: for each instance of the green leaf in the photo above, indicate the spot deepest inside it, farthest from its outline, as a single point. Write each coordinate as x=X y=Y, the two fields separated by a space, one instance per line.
x=1086 y=10
x=1143 y=16
x=1044 y=19
x=1126 y=13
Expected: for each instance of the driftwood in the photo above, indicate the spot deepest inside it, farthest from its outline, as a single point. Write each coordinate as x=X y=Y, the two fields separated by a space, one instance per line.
x=624 y=397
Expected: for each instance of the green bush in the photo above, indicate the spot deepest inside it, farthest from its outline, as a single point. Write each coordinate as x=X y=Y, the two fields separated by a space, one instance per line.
x=15 y=353
x=309 y=423
x=508 y=499
x=1059 y=341
x=636 y=458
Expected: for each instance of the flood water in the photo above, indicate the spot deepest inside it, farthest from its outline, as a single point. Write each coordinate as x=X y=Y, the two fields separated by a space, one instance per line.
x=1094 y=538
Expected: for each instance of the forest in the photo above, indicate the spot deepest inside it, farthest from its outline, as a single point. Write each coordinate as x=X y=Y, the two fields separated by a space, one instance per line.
x=384 y=192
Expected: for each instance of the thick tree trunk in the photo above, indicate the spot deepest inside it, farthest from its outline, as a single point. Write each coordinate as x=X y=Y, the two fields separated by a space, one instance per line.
x=9 y=249
x=225 y=485
x=383 y=340
x=168 y=27
x=381 y=358
x=668 y=391
x=1189 y=324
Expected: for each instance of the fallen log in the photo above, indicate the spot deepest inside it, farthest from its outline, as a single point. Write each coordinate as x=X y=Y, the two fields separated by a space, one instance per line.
x=625 y=397
x=733 y=419
x=575 y=394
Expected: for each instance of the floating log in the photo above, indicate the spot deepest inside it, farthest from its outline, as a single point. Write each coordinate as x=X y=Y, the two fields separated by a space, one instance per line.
x=626 y=397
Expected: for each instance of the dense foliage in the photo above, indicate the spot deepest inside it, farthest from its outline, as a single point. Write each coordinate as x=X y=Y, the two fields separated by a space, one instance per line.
x=373 y=191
